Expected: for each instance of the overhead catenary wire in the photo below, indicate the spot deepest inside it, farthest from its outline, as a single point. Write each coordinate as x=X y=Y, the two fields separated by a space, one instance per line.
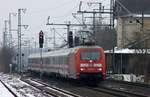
x=126 y=9
x=59 y=34
x=52 y=9
x=66 y=15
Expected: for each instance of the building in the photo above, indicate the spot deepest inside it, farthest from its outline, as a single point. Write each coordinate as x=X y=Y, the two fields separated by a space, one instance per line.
x=133 y=23
x=131 y=29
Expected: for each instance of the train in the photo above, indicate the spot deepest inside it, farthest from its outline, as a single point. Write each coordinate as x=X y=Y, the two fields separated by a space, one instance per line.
x=82 y=62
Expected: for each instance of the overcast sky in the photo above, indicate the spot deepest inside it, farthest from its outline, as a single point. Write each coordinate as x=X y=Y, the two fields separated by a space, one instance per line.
x=37 y=13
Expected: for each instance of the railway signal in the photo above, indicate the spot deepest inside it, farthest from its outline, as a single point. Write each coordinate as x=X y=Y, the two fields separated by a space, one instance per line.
x=41 y=39
x=70 y=39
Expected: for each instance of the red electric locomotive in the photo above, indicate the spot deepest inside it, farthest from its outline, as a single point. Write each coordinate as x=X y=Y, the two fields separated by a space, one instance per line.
x=83 y=62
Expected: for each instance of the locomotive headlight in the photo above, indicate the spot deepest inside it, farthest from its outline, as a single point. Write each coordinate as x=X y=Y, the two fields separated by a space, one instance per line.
x=81 y=69
x=97 y=65
x=100 y=69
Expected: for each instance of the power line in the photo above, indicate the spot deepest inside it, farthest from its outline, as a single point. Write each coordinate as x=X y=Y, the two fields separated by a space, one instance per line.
x=53 y=9
x=124 y=7
x=66 y=15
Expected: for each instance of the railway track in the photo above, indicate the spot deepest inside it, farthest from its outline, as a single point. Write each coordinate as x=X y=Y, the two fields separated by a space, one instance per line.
x=107 y=87
x=9 y=89
x=102 y=89
x=117 y=93
x=50 y=90
x=130 y=83
x=126 y=89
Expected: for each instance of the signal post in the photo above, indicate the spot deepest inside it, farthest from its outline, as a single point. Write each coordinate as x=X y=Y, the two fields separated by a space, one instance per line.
x=41 y=41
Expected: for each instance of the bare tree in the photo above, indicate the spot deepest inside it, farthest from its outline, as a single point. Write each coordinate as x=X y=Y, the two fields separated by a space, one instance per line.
x=5 y=59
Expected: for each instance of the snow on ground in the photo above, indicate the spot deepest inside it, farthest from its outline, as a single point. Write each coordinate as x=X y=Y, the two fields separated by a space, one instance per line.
x=4 y=92
x=22 y=89
x=128 y=51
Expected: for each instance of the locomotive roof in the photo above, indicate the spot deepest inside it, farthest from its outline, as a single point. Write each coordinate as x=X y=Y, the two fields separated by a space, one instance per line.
x=60 y=52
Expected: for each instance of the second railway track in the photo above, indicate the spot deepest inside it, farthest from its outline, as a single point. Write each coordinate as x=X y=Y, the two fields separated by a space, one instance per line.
x=117 y=93
x=50 y=90
x=135 y=89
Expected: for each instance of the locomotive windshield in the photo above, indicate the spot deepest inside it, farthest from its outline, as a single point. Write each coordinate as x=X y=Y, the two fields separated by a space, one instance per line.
x=91 y=55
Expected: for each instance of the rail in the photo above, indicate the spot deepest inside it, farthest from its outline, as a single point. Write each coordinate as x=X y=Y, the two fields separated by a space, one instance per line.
x=9 y=89
x=118 y=93
x=51 y=90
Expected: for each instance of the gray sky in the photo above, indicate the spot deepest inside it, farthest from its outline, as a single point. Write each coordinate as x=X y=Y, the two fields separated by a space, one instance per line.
x=37 y=13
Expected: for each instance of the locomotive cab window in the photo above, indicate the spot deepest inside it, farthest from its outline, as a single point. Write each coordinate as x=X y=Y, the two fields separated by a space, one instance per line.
x=90 y=55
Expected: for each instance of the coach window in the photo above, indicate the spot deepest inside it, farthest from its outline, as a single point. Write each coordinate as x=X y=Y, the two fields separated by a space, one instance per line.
x=64 y=57
x=47 y=60
x=57 y=61
x=54 y=60
x=38 y=60
x=33 y=60
x=65 y=60
x=44 y=60
x=30 y=60
x=60 y=60
x=51 y=60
